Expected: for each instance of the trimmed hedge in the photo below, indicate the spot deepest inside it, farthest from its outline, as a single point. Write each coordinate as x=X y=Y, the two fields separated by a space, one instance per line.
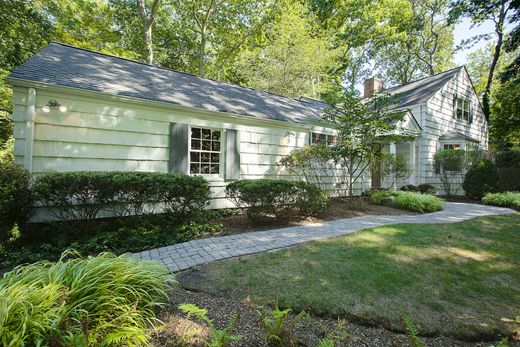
x=510 y=177
x=421 y=188
x=84 y=195
x=507 y=199
x=416 y=202
x=15 y=198
x=267 y=197
x=482 y=178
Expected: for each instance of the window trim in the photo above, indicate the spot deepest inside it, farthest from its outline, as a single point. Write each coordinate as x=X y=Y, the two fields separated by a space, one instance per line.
x=465 y=109
x=221 y=162
x=326 y=138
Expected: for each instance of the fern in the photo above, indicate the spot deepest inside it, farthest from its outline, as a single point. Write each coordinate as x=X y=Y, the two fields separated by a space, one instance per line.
x=278 y=329
x=218 y=337
x=412 y=332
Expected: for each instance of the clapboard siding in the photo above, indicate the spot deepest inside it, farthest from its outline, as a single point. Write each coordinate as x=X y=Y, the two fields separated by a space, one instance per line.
x=436 y=118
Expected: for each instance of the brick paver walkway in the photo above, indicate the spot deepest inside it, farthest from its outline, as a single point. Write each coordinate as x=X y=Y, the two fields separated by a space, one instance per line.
x=188 y=254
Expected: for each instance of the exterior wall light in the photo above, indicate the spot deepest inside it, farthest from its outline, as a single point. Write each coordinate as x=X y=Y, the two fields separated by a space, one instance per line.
x=53 y=104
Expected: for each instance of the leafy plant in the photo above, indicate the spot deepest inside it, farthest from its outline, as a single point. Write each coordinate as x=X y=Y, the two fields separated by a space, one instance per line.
x=218 y=337
x=410 y=201
x=427 y=188
x=394 y=168
x=411 y=332
x=16 y=200
x=378 y=196
x=102 y=300
x=278 y=328
x=337 y=335
x=268 y=197
x=409 y=188
x=482 y=178
x=507 y=199
x=450 y=166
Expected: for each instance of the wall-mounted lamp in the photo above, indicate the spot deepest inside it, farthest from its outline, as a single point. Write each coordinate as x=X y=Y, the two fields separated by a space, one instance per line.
x=53 y=104
x=290 y=134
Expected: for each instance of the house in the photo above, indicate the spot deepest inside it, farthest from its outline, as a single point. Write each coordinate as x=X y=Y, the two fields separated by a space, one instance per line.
x=76 y=109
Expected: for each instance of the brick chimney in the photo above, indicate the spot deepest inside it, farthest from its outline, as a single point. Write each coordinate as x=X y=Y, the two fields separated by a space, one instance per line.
x=371 y=86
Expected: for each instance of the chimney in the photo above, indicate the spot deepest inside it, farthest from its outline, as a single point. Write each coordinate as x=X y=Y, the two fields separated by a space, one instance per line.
x=371 y=86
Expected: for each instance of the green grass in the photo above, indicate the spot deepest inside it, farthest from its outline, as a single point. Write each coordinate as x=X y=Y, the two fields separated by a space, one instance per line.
x=416 y=202
x=95 y=301
x=458 y=279
x=507 y=199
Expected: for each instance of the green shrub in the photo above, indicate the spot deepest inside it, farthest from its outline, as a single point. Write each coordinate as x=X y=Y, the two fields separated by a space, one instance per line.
x=103 y=300
x=507 y=199
x=510 y=178
x=279 y=327
x=426 y=188
x=481 y=178
x=418 y=202
x=510 y=158
x=84 y=195
x=409 y=188
x=265 y=197
x=15 y=198
x=411 y=201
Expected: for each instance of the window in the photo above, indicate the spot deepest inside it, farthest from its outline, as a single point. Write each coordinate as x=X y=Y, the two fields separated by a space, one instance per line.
x=205 y=151
x=317 y=138
x=461 y=107
x=452 y=146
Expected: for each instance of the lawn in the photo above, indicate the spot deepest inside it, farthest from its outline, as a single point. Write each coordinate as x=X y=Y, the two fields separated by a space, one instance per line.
x=461 y=279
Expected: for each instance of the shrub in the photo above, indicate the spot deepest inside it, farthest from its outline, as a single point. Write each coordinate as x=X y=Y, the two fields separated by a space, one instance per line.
x=279 y=328
x=84 y=195
x=264 y=197
x=409 y=188
x=507 y=199
x=103 y=300
x=510 y=178
x=426 y=188
x=418 y=202
x=450 y=165
x=15 y=198
x=411 y=201
x=481 y=178
x=510 y=158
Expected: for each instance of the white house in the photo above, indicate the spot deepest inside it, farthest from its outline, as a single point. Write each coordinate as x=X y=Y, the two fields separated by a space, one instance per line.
x=76 y=109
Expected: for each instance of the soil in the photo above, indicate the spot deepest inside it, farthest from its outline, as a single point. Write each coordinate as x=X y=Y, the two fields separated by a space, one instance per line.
x=339 y=208
x=179 y=331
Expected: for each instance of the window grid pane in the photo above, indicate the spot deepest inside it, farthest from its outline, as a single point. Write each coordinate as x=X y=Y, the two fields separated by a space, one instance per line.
x=205 y=151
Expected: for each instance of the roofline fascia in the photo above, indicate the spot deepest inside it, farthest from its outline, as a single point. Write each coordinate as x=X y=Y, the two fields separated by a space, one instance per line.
x=18 y=82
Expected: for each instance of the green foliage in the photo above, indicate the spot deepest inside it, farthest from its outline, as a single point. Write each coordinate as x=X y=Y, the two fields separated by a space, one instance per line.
x=411 y=201
x=482 y=178
x=15 y=198
x=278 y=328
x=450 y=166
x=426 y=188
x=266 y=197
x=218 y=337
x=508 y=158
x=394 y=168
x=506 y=199
x=504 y=122
x=510 y=178
x=309 y=163
x=103 y=300
x=336 y=336
x=358 y=123
x=84 y=195
x=409 y=188
x=411 y=332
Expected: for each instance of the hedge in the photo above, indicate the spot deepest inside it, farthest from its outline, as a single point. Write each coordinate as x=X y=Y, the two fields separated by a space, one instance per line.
x=270 y=197
x=84 y=195
x=15 y=198
x=482 y=178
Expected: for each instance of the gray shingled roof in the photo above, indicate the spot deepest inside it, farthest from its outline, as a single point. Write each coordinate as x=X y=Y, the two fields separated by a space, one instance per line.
x=420 y=91
x=63 y=65
x=456 y=135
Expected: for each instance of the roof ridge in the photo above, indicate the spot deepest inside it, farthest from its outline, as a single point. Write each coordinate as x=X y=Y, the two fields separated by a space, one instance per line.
x=177 y=71
x=424 y=78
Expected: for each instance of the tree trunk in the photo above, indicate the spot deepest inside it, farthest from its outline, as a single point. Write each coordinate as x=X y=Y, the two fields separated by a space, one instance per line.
x=147 y=18
x=202 y=52
x=496 y=55
x=148 y=42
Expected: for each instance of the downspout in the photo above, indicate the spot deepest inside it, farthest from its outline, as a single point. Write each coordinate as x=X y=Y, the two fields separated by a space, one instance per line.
x=29 y=128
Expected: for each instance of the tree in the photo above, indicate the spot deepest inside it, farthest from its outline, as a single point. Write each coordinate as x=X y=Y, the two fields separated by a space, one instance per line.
x=505 y=122
x=513 y=43
x=480 y=11
x=294 y=60
x=147 y=18
x=359 y=124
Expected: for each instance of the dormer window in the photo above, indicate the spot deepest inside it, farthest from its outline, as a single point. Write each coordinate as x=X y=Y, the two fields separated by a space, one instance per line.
x=461 y=109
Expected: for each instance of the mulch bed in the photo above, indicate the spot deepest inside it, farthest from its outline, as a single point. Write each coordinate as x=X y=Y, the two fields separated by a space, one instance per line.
x=306 y=333
x=339 y=208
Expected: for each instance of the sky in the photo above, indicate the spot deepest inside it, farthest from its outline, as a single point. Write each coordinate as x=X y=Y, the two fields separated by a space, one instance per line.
x=464 y=31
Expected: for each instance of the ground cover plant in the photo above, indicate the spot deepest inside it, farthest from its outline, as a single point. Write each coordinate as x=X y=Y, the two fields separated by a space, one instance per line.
x=408 y=200
x=507 y=199
x=95 y=301
x=455 y=279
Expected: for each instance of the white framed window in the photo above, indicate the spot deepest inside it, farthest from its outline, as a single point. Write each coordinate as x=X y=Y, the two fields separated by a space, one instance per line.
x=317 y=138
x=461 y=109
x=451 y=146
x=205 y=151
